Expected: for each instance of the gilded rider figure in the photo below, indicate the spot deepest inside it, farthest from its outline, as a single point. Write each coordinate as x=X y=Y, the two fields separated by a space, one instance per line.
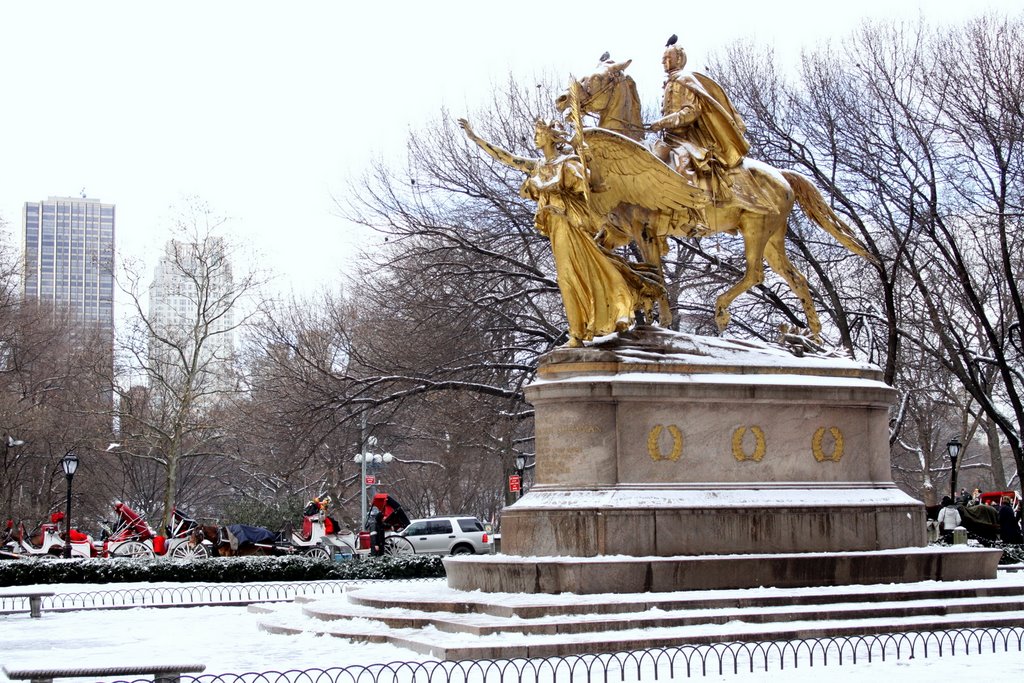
x=702 y=133
x=600 y=290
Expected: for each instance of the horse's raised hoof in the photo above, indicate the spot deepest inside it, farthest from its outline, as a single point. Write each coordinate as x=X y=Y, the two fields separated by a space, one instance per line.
x=664 y=314
x=722 y=318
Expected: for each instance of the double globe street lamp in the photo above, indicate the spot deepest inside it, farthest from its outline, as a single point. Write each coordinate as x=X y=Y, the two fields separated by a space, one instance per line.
x=69 y=463
x=373 y=460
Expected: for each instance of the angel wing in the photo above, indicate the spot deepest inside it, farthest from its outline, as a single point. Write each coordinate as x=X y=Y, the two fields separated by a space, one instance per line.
x=623 y=171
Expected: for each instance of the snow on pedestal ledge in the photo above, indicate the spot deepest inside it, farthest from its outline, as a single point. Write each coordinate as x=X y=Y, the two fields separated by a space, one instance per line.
x=654 y=349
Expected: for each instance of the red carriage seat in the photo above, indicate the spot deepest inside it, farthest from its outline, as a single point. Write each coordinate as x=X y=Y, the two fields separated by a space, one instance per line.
x=133 y=521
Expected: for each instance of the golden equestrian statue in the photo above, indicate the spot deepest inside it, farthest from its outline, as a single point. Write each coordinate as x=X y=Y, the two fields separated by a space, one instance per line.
x=600 y=290
x=702 y=138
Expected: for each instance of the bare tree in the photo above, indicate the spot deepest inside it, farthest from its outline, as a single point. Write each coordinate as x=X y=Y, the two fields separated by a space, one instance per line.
x=917 y=134
x=920 y=152
x=439 y=331
x=53 y=394
x=180 y=345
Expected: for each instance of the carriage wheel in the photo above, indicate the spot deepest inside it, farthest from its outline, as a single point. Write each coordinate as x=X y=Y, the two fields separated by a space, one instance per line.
x=132 y=549
x=398 y=545
x=317 y=553
x=186 y=551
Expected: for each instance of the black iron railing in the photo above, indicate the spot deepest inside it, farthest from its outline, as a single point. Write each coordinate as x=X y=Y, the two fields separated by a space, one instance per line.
x=687 y=661
x=187 y=594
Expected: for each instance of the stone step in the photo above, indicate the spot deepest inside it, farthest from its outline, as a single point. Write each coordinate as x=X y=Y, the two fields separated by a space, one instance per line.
x=658 y=618
x=534 y=605
x=415 y=617
x=512 y=644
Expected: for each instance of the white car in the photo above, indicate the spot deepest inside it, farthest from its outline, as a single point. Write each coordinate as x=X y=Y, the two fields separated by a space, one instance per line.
x=449 y=536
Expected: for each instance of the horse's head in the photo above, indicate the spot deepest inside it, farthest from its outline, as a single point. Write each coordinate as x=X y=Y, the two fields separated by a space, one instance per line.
x=609 y=93
x=595 y=89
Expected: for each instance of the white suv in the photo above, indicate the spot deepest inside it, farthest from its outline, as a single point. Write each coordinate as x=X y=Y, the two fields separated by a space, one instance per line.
x=449 y=535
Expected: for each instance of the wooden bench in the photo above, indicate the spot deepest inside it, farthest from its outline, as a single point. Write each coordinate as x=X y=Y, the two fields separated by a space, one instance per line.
x=161 y=673
x=35 y=600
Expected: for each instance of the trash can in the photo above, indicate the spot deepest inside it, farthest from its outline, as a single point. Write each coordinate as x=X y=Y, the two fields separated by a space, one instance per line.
x=959 y=536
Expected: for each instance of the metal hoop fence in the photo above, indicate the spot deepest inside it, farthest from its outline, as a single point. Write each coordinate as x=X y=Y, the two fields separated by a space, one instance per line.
x=686 y=661
x=187 y=595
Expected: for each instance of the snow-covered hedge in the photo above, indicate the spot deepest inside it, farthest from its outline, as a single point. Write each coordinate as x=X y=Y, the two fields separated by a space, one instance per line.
x=215 y=570
x=1012 y=554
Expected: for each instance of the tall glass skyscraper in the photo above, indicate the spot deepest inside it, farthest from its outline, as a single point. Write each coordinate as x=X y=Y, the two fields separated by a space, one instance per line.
x=69 y=258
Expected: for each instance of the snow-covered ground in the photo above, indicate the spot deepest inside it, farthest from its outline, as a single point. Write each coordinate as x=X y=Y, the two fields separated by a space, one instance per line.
x=228 y=640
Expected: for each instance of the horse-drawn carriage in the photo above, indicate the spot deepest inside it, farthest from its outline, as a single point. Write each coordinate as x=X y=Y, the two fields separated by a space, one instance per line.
x=134 y=537
x=43 y=541
x=320 y=536
x=187 y=539
x=384 y=523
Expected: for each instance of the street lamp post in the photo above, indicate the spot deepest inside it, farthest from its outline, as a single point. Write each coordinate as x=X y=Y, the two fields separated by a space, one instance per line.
x=366 y=459
x=520 y=467
x=69 y=463
x=953 y=450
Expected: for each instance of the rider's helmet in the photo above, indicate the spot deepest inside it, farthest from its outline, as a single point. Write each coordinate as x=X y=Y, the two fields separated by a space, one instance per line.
x=674 y=57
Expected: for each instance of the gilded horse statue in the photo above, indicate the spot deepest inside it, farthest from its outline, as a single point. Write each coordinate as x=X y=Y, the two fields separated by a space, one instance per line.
x=628 y=182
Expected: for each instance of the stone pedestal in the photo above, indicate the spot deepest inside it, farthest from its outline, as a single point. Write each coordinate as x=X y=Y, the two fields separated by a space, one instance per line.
x=674 y=446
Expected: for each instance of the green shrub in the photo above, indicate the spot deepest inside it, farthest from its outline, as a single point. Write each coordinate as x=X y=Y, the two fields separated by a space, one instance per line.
x=216 y=570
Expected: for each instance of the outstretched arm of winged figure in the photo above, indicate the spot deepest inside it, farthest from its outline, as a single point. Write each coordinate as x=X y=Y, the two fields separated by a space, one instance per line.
x=524 y=164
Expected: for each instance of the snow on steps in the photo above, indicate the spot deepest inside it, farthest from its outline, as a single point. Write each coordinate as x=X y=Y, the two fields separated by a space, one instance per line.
x=434 y=620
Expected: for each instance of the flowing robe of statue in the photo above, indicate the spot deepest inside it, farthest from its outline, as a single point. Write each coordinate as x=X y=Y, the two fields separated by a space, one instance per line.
x=600 y=292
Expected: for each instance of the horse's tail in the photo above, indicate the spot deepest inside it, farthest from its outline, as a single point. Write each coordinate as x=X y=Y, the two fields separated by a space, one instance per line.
x=813 y=204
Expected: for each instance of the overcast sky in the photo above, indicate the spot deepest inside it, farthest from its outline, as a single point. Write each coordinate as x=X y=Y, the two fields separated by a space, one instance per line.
x=265 y=110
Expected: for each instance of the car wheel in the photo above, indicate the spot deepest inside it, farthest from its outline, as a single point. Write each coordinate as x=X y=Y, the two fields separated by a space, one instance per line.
x=462 y=550
x=398 y=545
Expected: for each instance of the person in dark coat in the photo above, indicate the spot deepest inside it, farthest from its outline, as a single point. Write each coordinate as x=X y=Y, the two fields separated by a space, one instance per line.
x=1009 y=529
x=375 y=525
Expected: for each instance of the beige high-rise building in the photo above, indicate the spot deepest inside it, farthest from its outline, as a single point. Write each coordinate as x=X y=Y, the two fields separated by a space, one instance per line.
x=69 y=258
x=188 y=307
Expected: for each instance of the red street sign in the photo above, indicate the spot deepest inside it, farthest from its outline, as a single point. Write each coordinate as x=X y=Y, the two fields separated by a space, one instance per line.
x=371 y=480
x=514 y=482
